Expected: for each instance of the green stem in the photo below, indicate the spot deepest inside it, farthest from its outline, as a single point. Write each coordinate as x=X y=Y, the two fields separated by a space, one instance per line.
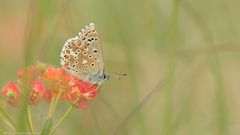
x=29 y=115
x=48 y=123
x=51 y=107
x=4 y=116
x=9 y=123
x=55 y=103
x=170 y=74
x=62 y=119
x=47 y=127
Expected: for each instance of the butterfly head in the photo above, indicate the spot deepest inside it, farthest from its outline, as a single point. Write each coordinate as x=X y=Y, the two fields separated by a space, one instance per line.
x=99 y=79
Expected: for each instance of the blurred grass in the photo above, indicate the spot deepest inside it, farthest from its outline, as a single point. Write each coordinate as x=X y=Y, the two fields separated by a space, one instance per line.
x=221 y=110
x=170 y=73
x=194 y=44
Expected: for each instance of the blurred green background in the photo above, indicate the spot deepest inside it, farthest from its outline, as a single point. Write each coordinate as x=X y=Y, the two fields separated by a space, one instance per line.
x=191 y=45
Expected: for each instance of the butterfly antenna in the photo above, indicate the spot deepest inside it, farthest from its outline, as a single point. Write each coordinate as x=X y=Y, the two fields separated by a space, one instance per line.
x=117 y=75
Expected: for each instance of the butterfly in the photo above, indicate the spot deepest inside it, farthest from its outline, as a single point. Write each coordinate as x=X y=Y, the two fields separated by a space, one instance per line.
x=83 y=56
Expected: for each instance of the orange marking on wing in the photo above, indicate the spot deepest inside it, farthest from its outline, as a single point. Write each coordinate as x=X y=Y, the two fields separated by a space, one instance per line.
x=66 y=56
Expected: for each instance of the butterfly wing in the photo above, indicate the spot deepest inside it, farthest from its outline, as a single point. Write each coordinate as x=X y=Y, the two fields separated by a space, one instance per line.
x=82 y=55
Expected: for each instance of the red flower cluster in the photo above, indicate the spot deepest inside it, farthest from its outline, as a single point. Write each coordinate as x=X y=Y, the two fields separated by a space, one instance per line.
x=80 y=89
x=45 y=82
x=11 y=92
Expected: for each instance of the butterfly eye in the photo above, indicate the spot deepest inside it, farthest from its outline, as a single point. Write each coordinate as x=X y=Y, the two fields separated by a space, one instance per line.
x=105 y=77
x=92 y=64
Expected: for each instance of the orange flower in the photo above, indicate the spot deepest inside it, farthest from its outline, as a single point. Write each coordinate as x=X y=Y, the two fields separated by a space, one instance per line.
x=46 y=82
x=11 y=91
x=20 y=73
x=25 y=77
x=81 y=91
x=57 y=80
x=38 y=91
x=48 y=95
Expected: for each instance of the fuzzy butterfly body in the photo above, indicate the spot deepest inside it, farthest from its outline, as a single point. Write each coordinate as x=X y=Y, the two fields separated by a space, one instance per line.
x=82 y=56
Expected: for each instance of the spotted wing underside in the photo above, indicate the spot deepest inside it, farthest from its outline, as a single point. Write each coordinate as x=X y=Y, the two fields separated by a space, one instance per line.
x=82 y=55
